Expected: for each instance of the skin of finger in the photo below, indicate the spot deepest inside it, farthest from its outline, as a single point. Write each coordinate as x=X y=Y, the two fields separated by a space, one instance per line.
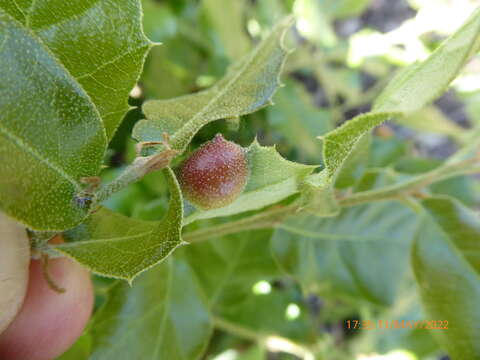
x=14 y=266
x=49 y=322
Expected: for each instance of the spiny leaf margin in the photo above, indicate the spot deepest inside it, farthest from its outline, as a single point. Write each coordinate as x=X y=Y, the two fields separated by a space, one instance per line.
x=130 y=238
x=182 y=117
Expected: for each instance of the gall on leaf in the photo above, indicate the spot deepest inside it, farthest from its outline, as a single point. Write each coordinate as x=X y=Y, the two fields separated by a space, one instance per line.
x=214 y=175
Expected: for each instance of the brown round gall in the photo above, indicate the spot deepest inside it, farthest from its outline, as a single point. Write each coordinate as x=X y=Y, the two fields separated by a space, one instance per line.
x=215 y=174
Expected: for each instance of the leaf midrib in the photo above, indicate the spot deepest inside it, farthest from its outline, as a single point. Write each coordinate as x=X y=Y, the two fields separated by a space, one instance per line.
x=138 y=320
x=63 y=68
x=19 y=8
x=329 y=236
x=430 y=60
x=163 y=322
x=198 y=117
x=231 y=266
x=96 y=241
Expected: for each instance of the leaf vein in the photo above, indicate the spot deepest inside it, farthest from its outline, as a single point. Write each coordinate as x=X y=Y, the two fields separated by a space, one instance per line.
x=161 y=329
x=190 y=126
x=326 y=236
x=19 y=9
x=120 y=238
x=24 y=146
x=110 y=62
x=31 y=9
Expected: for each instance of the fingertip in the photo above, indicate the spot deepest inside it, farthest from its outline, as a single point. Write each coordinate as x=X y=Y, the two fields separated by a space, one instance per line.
x=50 y=322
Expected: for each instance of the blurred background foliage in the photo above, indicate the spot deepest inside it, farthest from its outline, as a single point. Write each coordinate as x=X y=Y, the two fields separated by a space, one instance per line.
x=283 y=284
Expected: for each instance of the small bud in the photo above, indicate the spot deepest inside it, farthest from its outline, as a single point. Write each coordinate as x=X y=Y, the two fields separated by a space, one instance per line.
x=214 y=175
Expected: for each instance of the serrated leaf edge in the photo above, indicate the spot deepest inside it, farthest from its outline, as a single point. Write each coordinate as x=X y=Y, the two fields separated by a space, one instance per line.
x=60 y=248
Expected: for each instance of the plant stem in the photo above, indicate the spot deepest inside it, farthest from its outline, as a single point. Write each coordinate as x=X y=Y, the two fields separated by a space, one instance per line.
x=44 y=259
x=275 y=215
x=266 y=219
x=271 y=217
x=132 y=173
x=140 y=167
x=271 y=342
x=412 y=185
x=237 y=330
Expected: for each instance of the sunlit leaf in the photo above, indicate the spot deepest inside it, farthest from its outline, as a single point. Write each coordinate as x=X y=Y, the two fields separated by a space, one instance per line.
x=407 y=93
x=345 y=8
x=421 y=83
x=67 y=68
x=50 y=133
x=248 y=86
x=101 y=44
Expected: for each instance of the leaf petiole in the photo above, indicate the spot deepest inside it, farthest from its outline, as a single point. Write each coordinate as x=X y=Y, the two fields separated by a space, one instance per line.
x=140 y=167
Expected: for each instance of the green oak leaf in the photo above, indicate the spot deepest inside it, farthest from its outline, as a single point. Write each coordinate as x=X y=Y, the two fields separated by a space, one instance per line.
x=412 y=89
x=228 y=269
x=408 y=92
x=272 y=178
x=340 y=155
x=341 y=143
x=328 y=255
x=229 y=266
x=100 y=43
x=430 y=119
x=419 y=84
x=248 y=86
x=355 y=164
x=50 y=133
x=114 y=245
x=163 y=316
x=67 y=68
x=446 y=262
